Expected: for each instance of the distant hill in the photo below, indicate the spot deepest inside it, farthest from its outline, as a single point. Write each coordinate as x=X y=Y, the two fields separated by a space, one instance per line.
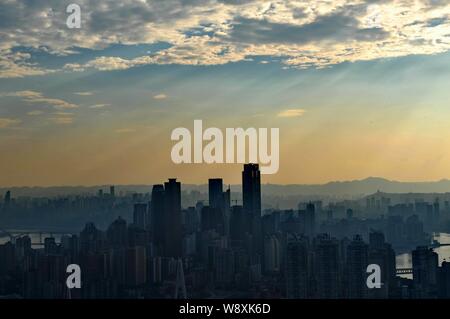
x=353 y=188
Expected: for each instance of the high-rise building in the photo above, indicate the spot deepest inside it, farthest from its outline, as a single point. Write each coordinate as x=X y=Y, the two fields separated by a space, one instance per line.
x=251 y=189
x=172 y=218
x=272 y=254
x=310 y=220
x=327 y=268
x=117 y=233
x=136 y=266
x=157 y=217
x=297 y=270
x=112 y=192
x=356 y=266
x=140 y=215
x=425 y=272
x=444 y=280
x=215 y=192
x=382 y=254
x=251 y=193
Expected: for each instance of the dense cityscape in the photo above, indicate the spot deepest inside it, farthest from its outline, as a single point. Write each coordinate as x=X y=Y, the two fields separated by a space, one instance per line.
x=153 y=247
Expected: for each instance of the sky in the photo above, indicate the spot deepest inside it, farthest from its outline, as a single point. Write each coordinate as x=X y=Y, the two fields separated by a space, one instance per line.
x=357 y=88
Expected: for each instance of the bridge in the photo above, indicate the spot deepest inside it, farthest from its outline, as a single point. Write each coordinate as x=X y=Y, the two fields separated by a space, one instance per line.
x=437 y=244
x=404 y=271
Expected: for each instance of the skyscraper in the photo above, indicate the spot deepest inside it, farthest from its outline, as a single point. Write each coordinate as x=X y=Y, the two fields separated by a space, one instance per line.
x=327 y=267
x=251 y=189
x=157 y=216
x=297 y=272
x=172 y=218
x=357 y=261
x=140 y=215
x=215 y=191
x=425 y=272
x=251 y=193
x=112 y=191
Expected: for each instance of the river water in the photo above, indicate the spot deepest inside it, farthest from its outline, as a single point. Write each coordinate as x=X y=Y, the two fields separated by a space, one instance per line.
x=405 y=260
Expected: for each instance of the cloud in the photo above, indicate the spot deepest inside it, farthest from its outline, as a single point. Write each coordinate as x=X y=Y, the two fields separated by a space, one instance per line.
x=7 y=122
x=335 y=27
x=17 y=65
x=34 y=113
x=34 y=97
x=84 y=93
x=213 y=32
x=99 y=106
x=291 y=113
x=62 y=120
x=160 y=96
x=125 y=130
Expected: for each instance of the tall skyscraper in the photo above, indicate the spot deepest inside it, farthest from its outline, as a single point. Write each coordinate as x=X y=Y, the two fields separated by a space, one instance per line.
x=251 y=189
x=172 y=218
x=157 y=217
x=215 y=191
x=112 y=191
x=216 y=204
x=251 y=192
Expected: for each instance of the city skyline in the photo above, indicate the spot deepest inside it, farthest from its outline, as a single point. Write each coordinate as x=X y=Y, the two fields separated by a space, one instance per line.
x=156 y=247
x=357 y=88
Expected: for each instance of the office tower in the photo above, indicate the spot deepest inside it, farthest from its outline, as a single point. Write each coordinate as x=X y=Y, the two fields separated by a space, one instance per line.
x=224 y=263
x=272 y=254
x=112 y=192
x=251 y=192
x=140 y=215
x=251 y=189
x=425 y=272
x=157 y=217
x=100 y=193
x=117 y=233
x=227 y=199
x=172 y=218
x=136 y=266
x=356 y=266
x=240 y=224
x=215 y=191
x=327 y=267
x=212 y=219
x=382 y=254
x=310 y=220
x=297 y=270
x=191 y=220
x=414 y=230
x=444 y=281
x=91 y=239
x=50 y=247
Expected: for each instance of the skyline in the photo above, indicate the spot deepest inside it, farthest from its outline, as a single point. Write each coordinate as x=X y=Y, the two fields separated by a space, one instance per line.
x=356 y=88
